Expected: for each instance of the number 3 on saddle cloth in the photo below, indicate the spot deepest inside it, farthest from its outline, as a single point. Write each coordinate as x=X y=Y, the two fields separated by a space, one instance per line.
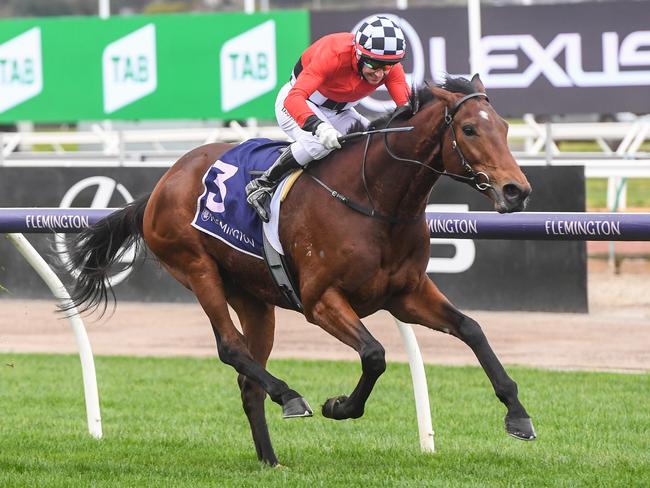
x=222 y=210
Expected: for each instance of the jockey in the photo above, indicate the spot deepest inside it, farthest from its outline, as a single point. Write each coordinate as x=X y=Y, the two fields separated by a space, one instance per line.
x=317 y=105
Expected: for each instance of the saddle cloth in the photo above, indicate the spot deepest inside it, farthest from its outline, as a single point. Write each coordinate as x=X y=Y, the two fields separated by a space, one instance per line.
x=222 y=210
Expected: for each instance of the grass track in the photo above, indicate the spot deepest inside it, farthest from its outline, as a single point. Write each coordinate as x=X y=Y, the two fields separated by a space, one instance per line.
x=638 y=193
x=178 y=422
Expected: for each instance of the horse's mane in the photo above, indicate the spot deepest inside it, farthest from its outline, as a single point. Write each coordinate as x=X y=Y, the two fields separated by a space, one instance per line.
x=419 y=97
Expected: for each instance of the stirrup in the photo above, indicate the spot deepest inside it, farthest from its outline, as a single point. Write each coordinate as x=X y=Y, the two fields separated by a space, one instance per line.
x=260 y=199
x=257 y=184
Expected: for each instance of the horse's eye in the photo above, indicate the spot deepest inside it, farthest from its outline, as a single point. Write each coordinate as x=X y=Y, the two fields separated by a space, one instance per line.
x=468 y=130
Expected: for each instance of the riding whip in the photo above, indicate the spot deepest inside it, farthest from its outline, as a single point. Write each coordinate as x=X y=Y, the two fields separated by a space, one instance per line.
x=354 y=135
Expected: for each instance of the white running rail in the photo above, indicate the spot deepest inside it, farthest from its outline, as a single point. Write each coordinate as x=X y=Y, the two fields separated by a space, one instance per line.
x=81 y=337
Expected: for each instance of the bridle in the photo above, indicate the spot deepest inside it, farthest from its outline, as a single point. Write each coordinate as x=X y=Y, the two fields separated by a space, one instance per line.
x=473 y=178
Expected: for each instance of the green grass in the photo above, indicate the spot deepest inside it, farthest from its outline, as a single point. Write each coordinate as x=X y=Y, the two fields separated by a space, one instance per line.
x=178 y=422
x=638 y=193
x=588 y=146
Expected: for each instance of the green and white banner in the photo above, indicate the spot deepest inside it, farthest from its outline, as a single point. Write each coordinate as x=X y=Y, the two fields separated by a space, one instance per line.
x=215 y=66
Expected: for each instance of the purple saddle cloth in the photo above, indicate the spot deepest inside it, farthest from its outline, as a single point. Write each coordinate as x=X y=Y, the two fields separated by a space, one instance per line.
x=222 y=210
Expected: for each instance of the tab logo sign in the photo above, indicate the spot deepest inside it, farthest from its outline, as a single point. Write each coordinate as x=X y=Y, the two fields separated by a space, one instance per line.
x=129 y=68
x=21 y=69
x=248 y=68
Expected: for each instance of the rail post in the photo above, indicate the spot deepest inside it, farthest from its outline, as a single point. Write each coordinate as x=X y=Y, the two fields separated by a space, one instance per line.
x=81 y=337
x=420 y=390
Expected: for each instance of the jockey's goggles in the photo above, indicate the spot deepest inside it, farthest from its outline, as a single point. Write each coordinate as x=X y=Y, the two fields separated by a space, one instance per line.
x=375 y=65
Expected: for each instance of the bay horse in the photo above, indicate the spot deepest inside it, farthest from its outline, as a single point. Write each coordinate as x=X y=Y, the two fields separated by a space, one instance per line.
x=348 y=261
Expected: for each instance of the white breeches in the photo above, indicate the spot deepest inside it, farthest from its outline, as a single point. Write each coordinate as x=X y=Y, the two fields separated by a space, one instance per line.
x=306 y=146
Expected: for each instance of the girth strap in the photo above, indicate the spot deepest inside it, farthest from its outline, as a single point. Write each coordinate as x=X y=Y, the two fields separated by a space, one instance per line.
x=277 y=265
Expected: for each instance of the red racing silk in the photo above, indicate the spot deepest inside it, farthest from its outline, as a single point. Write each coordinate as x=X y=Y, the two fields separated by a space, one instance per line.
x=330 y=66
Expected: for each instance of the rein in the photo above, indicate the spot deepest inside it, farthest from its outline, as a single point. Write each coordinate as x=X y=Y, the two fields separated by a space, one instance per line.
x=369 y=212
x=474 y=176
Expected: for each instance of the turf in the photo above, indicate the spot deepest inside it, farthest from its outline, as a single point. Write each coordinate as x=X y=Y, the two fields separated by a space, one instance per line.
x=179 y=422
x=638 y=193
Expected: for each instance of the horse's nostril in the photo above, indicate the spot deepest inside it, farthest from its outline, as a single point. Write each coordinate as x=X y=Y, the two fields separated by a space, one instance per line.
x=513 y=192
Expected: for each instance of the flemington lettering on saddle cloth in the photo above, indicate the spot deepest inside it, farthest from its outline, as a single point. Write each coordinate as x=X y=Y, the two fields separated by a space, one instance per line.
x=222 y=210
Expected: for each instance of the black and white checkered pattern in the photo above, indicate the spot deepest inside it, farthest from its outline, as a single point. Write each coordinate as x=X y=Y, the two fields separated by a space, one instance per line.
x=380 y=38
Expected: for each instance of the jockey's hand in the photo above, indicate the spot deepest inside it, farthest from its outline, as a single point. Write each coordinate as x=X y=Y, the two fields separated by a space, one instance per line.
x=328 y=136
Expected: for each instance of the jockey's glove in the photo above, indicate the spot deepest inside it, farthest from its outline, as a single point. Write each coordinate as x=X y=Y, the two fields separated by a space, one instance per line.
x=328 y=136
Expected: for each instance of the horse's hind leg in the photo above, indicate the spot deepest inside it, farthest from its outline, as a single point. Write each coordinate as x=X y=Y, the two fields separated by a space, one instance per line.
x=258 y=325
x=206 y=283
x=429 y=307
x=335 y=315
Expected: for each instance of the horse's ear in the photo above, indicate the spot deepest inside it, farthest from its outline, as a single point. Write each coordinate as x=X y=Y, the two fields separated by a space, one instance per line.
x=448 y=97
x=414 y=99
x=478 y=84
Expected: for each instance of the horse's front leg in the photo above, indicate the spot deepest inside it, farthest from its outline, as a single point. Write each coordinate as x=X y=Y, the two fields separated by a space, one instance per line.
x=427 y=306
x=335 y=315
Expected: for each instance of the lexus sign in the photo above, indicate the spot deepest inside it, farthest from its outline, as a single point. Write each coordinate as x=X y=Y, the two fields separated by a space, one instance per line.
x=542 y=59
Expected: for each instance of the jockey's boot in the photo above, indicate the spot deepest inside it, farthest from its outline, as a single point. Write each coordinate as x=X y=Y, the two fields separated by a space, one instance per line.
x=260 y=190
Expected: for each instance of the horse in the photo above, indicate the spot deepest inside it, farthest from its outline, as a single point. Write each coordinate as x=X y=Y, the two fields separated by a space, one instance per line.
x=362 y=251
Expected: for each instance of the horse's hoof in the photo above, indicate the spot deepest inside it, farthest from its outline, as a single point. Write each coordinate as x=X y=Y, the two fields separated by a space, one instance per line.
x=332 y=408
x=296 y=407
x=521 y=428
x=271 y=463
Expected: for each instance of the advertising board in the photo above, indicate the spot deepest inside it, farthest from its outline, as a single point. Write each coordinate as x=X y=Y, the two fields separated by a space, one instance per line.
x=574 y=58
x=213 y=66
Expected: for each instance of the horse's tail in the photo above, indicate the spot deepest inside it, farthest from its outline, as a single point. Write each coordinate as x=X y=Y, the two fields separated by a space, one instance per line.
x=92 y=252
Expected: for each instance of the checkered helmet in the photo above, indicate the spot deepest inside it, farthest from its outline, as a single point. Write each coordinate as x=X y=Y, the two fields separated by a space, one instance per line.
x=379 y=38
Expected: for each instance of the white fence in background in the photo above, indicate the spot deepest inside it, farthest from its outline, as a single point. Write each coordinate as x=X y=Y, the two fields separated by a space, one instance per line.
x=125 y=144
x=617 y=139
x=620 y=145
x=613 y=138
